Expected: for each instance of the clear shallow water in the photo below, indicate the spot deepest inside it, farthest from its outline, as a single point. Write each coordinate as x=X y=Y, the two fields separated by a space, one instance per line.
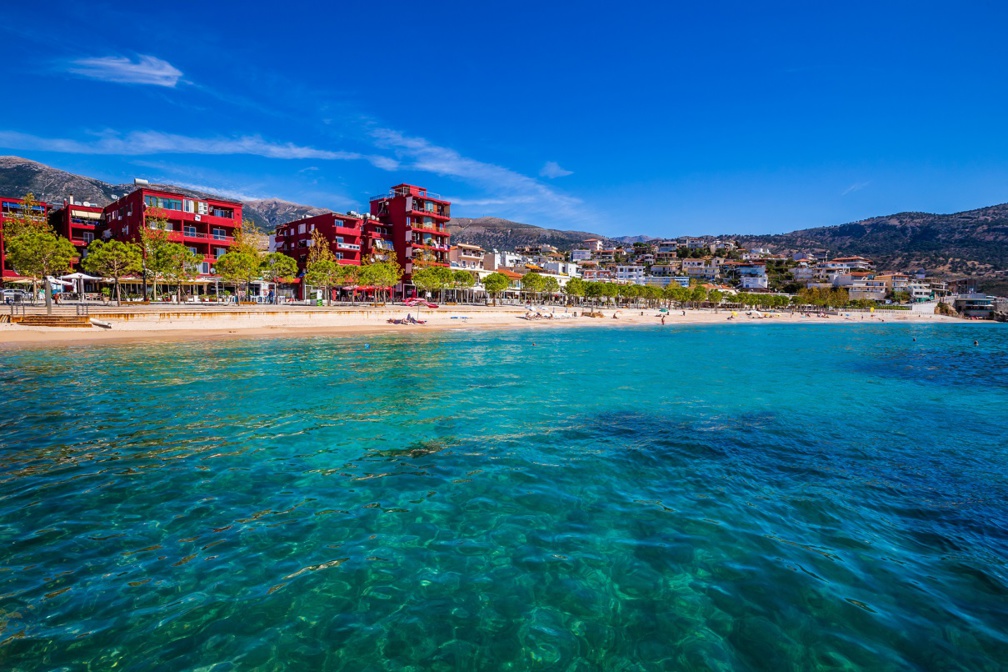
x=749 y=497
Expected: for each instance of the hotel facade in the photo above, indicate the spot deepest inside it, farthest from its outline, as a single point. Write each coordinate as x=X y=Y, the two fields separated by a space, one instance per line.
x=418 y=224
x=206 y=226
x=10 y=208
x=78 y=223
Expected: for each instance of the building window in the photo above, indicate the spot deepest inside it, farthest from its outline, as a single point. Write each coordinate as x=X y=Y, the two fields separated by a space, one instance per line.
x=190 y=230
x=163 y=203
x=87 y=236
x=219 y=234
x=301 y=228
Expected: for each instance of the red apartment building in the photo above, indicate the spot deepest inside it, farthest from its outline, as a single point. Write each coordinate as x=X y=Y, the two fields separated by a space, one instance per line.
x=378 y=243
x=344 y=233
x=418 y=225
x=77 y=222
x=11 y=207
x=205 y=225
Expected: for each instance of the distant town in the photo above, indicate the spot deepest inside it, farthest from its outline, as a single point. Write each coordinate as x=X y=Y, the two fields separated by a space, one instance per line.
x=407 y=228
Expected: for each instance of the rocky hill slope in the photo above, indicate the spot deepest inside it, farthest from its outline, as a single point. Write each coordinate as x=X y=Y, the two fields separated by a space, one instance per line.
x=971 y=243
x=19 y=176
x=493 y=233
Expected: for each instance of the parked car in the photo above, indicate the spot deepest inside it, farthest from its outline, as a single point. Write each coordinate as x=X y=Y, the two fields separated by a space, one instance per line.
x=15 y=296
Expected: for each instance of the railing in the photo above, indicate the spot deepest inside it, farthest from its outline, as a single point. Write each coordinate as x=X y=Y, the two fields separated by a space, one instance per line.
x=430 y=213
x=16 y=307
x=82 y=309
x=347 y=246
x=428 y=227
x=421 y=193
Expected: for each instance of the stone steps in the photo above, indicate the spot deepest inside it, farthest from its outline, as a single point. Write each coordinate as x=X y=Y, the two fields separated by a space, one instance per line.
x=71 y=321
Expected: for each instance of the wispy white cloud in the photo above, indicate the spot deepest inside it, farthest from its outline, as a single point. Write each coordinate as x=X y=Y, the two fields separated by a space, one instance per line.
x=140 y=143
x=121 y=70
x=515 y=193
x=857 y=186
x=552 y=170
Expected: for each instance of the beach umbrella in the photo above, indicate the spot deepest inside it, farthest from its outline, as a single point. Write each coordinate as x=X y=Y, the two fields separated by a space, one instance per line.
x=81 y=277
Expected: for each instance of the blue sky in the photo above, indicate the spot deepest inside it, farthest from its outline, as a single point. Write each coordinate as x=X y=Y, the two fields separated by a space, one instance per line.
x=616 y=118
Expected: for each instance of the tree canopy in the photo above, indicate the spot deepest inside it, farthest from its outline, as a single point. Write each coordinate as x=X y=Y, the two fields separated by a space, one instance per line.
x=113 y=259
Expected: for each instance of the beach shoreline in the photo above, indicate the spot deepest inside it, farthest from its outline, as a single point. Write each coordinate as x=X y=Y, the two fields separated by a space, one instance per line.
x=178 y=323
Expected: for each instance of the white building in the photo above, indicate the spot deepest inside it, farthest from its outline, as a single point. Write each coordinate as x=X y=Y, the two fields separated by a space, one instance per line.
x=568 y=268
x=466 y=256
x=630 y=273
x=754 y=282
x=580 y=255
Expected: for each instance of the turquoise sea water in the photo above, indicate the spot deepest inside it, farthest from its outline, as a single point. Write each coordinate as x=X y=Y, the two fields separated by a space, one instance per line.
x=747 y=497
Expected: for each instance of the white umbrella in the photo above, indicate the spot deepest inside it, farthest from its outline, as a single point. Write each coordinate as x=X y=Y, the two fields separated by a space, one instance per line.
x=82 y=277
x=79 y=276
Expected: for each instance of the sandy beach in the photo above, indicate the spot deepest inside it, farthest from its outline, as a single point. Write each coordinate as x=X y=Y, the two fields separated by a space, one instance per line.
x=160 y=323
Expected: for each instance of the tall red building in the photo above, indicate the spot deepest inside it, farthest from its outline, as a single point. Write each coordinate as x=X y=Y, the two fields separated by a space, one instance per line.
x=12 y=207
x=205 y=225
x=344 y=233
x=77 y=222
x=418 y=222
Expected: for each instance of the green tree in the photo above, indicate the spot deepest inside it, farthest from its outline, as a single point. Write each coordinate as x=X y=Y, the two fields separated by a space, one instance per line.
x=277 y=267
x=177 y=263
x=427 y=279
x=463 y=279
x=532 y=283
x=154 y=236
x=113 y=259
x=698 y=294
x=37 y=253
x=323 y=273
x=594 y=291
x=244 y=259
x=321 y=269
x=30 y=215
x=652 y=295
x=383 y=275
x=495 y=283
x=678 y=293
x=238 y=265
x=550 y=285
x=575 y=287
x=715 y=296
